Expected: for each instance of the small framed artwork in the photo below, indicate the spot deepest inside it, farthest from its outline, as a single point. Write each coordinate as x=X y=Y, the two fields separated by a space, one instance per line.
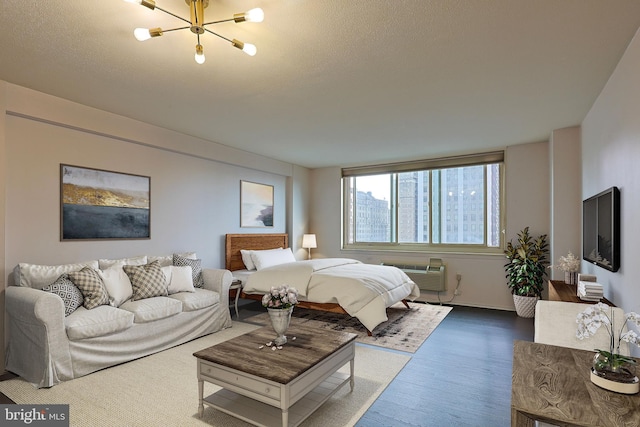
x=96 y=204
x=256 y=204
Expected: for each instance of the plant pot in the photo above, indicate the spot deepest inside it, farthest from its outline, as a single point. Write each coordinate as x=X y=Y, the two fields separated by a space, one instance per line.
x=280 y=319
x=525 y=306
x=614 y=373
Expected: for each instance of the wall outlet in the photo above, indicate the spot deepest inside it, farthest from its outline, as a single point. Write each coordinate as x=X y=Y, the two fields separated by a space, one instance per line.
x=458 y=277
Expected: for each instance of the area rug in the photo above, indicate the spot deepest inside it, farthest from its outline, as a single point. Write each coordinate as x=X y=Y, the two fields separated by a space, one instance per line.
x=405 y=330
x=162 y=389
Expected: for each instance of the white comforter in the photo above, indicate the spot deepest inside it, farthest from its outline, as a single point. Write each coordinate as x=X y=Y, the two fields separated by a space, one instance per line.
x=362 y=290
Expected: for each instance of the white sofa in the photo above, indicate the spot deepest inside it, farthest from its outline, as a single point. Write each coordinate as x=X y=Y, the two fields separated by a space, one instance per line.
x=50 y=342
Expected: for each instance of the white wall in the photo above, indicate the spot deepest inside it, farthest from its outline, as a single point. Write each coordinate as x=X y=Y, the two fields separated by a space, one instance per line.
x=611 y=157
x=298 y=212
x=566 y=203
x=483 y=278
x=194 y=201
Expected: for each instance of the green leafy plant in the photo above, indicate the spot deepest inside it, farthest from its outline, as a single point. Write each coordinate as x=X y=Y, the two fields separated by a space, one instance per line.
x=526 y=267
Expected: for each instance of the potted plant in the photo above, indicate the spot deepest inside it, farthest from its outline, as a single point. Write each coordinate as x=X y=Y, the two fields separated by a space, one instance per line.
x=526 y=270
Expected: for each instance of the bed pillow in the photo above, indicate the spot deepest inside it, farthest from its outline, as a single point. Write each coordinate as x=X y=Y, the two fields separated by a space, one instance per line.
x=117 y=284
x=196 y=268
x=70 y=294
x=247 y=256
x=147 y=280
x=246 y=259
x=90 y=284
x=264 y=259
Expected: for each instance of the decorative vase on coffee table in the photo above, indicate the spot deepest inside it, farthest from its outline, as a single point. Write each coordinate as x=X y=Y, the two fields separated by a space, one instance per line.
x=280 y=318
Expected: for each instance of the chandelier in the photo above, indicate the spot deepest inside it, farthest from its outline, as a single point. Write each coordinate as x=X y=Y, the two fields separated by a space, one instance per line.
x=197 y=25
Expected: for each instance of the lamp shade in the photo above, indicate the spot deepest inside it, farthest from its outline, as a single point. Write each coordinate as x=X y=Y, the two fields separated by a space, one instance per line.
x=309 y=241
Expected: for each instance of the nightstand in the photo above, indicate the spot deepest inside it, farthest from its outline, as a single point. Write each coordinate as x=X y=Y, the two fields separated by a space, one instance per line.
x=234 y=292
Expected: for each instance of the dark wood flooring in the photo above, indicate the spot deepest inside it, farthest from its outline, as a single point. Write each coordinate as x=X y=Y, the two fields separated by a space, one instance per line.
x=460 y=376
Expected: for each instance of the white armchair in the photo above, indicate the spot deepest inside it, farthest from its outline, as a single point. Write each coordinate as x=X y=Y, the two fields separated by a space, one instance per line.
x=555 y=324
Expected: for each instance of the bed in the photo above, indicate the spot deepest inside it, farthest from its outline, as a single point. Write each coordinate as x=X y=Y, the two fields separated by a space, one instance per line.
x=339 y=285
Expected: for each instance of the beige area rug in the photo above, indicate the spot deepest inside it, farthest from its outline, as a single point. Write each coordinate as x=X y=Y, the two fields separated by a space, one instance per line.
x=405 y=330
x=162 y=389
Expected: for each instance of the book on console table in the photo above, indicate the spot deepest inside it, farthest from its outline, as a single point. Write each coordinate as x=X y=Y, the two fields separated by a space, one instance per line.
x=590 y=291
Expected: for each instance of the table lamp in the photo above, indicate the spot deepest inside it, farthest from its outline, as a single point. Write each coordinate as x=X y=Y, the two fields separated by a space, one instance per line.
x=308 y=242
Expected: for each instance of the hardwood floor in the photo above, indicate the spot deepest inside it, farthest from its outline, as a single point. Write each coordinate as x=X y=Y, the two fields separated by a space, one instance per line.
x=460 y=376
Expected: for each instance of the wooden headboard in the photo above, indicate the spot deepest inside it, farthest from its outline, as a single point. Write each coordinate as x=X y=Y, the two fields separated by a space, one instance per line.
x=256 y=242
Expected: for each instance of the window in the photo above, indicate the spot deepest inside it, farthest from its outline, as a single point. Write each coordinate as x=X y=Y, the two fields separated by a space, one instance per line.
x=445 y=205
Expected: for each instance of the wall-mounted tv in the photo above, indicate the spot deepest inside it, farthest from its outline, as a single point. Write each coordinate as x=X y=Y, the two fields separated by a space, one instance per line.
x=601 y=229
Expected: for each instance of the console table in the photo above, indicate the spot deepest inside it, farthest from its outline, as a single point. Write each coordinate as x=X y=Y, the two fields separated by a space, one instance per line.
x=552 y=384
x=561 y=291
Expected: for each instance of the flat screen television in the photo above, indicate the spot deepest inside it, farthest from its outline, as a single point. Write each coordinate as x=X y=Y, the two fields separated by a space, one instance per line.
x=601 y=229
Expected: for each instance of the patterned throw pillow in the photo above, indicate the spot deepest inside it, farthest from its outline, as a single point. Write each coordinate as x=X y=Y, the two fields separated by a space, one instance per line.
x=70 y=294
x=196 y=268
x=146 y=280
x=91 y=286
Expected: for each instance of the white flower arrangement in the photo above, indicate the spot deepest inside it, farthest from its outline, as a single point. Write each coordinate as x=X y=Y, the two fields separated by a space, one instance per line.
x=568 y=264
x=598 y=315
x=281 y=297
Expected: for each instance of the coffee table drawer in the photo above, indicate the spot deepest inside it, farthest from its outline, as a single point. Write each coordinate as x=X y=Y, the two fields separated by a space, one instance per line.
x=234 y=379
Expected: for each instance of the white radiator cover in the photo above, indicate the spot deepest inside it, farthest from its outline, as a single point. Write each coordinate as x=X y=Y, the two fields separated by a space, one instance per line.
x=428 y=278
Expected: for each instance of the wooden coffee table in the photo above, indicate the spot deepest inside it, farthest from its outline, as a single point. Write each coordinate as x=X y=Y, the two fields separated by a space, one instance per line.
x=275 y=388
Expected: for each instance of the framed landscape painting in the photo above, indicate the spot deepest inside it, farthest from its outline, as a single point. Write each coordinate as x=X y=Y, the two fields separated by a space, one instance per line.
x=97 y=204
x=256 y=204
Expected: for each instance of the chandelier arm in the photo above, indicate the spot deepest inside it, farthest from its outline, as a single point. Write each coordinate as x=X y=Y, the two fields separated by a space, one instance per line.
x=174 y=15
x=216 y=34
x=218 y=22
x=176 y=29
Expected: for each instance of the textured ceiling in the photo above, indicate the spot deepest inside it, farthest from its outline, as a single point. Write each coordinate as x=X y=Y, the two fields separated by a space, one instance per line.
x=334 y=82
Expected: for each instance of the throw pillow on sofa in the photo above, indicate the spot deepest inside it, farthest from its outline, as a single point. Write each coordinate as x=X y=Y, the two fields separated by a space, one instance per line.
x=108 y=263
x=178 y=279
x=146 y=280
x=90 y=284
x=70 y=294
x=38 y=276
x=167 y=260
x=196 y=268
x=117 y=284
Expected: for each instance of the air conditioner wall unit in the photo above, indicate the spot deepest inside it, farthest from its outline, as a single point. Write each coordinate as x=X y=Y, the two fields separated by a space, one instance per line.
x=430 y=277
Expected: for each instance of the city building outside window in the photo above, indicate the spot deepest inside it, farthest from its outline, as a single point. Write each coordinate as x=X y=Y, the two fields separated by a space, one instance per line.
x=434 y=204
